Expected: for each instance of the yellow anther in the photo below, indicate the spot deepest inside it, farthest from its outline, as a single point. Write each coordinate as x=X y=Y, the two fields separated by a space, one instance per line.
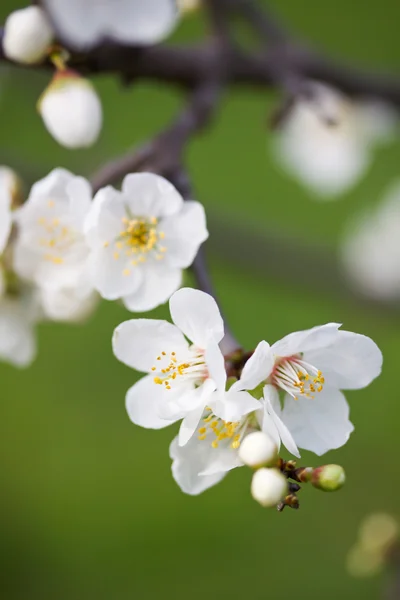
x=116 y=255
x=158 y=380
x=126 y=272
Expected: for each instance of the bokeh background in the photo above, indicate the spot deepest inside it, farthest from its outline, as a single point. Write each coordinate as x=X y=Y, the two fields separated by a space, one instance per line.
x=88 y=506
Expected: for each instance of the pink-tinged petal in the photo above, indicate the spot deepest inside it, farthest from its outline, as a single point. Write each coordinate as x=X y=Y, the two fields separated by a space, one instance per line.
x=197 y=316
x=321 y=424
x=272 y=410
x=150 y=195
x=142 y=403
x=257 y=369
x=184 y=233
x=157 y=286
x=189 y=461
x=232 y=406
x=352 y=362
x=139 y=342
x=306 y=341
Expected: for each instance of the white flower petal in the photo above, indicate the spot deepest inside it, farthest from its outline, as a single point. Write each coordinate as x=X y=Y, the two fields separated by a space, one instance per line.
x=79 y=191
x=321 y=424
x=353 y=361
x=150 y=195
x=138 y=342
x=189 y=425
x=143 y=400
x=272 y=409
x=184 y=233
x=112 y=275
x=232 y=406
x=257 y=369
x=17 y=337
x=306 y=341
x=103 y=222
x=86 y=24
x=215 y=364
x=53 y=185
x=197 y=316
x=192 y=459
x=157 y=286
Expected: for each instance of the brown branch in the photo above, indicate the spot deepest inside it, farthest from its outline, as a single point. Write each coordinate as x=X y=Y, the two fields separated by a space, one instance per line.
x=189 y=66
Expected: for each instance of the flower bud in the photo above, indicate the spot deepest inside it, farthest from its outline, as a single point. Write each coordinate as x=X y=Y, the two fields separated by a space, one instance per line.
x=258 y=450
x=71 y=110
x=328 y=478
x=27 y=35
x=268 y=487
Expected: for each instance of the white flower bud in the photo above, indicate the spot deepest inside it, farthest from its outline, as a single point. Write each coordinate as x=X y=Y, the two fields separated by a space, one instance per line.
x=268 y=487
x=27 y=35
x=71 y=110
x=257 y=450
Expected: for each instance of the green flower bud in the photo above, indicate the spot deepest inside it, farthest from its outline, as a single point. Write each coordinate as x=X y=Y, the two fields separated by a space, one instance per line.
x=328 y=478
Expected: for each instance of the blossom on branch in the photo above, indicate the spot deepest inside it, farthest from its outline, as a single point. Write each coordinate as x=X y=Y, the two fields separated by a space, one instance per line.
x=84 y=25
x=302 y=375
x=326 y=139
x=141 y=239
x=51 y=250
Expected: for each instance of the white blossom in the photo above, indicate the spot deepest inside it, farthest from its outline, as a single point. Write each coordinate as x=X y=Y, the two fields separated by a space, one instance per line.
x=308 y=369
x=51 y=250
x=268 y=487
x=83 y=25
x=183 y=379
x=71 y=110
x=326 y=141
x=19 y=313
x=258 y=449
x=370 y=249
x=141 y=240
x=27 y=35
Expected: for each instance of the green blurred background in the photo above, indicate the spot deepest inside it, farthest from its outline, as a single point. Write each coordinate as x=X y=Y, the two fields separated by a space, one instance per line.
x=88 y=506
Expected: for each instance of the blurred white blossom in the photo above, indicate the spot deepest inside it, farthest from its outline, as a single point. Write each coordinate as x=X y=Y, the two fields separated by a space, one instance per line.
x=19 y=312
x=71 y=110
x=141 y=239
x=370 y=250
x=83 y=25
x=51 y=250
x=27 y=35
x=326 y=140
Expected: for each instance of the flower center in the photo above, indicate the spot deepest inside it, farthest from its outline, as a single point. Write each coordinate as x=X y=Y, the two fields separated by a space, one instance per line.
x=169 y=368
x=297 y=377
x=219 y=430
x=139 y=239
x=56 y=238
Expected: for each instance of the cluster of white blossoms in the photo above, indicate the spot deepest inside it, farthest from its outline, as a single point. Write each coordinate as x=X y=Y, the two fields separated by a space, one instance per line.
x=60 y=251
x=291 y=391
x=326 y=140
